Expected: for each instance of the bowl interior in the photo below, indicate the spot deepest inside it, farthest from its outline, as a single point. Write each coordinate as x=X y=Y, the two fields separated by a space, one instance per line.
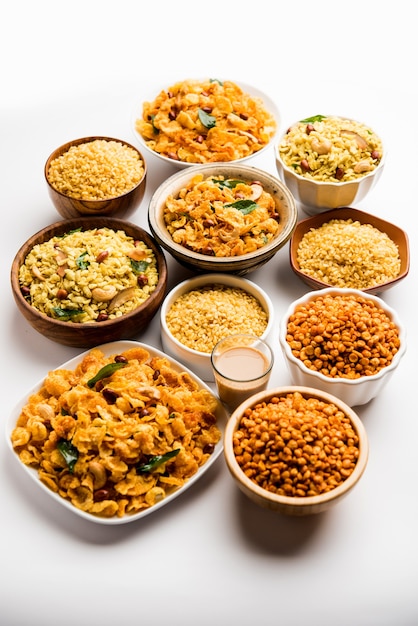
x=396 y=234
x=269 y=105
x=120 y=205
x=197 y=360
x=285 y=203
x=90 y=334
x=288 y=504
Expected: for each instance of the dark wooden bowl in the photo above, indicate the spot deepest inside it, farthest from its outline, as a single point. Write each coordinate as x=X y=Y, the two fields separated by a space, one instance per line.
x=396 y=234
x=93 y=333
x=120 y=206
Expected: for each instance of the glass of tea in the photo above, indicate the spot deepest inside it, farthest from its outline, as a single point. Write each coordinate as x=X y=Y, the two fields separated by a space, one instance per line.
x=241 y=366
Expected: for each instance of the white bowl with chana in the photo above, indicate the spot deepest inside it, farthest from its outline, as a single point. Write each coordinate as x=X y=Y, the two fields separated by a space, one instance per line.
x=342 y=341
x=96 y=176
x=89 y=280
x=329 y=161
x=295 y=450
x=205 y=120
x=222 y=217
x=349 y=248
x=200 y=311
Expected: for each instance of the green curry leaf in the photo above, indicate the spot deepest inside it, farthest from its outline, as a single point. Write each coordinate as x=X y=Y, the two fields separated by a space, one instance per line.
x=156 y=461
x=245 y=206
x=66 y=314
x=105 y=372
x=314 y=118
x=230 y=183
x=207 y=120
x=139 y=267
x=82 y=264
x=69 y=452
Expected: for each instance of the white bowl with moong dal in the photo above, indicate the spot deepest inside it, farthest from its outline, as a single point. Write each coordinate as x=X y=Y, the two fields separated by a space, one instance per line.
x=329 y=161
x=342 y=341
x=202 y=310
x=349 y=248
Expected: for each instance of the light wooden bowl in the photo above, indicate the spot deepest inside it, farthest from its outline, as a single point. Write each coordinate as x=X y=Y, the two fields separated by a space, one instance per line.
x=119 y=206
x=294 y=505
x=86 y=335
x=396 y=234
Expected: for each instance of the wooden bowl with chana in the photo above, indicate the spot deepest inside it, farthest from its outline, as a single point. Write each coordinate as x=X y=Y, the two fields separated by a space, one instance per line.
x=349 y=248
x=90 y=280
x=96 y=176
x=342 y=341
x=295 y=450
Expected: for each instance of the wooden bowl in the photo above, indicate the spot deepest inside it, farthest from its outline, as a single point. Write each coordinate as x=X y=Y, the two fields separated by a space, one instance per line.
x=396 y=234
x=294 y=505
x=86 y=335
x=119 y=206
x=240 y=264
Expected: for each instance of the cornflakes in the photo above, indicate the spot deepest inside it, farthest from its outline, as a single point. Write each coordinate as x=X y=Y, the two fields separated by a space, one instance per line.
x=119 y=433
x=205 y=121
x=222 y=217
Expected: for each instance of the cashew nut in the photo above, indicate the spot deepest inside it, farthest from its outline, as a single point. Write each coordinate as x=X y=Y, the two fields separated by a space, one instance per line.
x=104 y=294
x=46 y=412
x=99 y=474
x=362 y=166
x=149 y=392
x=36 y=272
x=322 y=146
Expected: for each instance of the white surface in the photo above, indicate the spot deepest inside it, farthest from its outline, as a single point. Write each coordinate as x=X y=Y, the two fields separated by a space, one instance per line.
x=210 y=557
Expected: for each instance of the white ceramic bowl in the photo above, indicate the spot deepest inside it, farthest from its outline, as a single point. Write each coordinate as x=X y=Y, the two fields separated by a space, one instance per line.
x=200 y=362
x=293 y=505
x=116 y=347
x=353 y=392
x=318 y=196
x=240 y=264
x=269 y=106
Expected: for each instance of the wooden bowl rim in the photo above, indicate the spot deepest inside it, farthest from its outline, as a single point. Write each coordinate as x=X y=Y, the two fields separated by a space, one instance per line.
x=296 y=502
x=62 y=226
x=397 y=235
x=76 y=142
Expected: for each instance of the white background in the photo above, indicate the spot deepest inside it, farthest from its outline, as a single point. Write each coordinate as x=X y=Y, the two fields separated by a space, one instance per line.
x=74 y=69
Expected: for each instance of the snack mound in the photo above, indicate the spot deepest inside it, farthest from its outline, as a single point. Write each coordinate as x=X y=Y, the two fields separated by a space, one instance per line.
x=222 y=217
x=88 y=276
x=205 y=121
x=119 y=433
x=331 y=149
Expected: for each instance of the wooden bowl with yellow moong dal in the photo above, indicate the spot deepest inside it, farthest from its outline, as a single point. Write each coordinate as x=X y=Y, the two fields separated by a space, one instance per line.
x=90 y=280
x=229 y=218
x=329 y=161
x=96 y=176
x=349 y=248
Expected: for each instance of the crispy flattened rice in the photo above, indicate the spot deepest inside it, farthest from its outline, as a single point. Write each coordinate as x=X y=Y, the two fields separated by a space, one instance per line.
x=90 y=275
x=331 y=149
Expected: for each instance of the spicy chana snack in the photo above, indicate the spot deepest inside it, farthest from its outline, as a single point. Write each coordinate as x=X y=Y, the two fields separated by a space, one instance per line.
x=222 y=217
x=205 y=121
x=118 y=433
